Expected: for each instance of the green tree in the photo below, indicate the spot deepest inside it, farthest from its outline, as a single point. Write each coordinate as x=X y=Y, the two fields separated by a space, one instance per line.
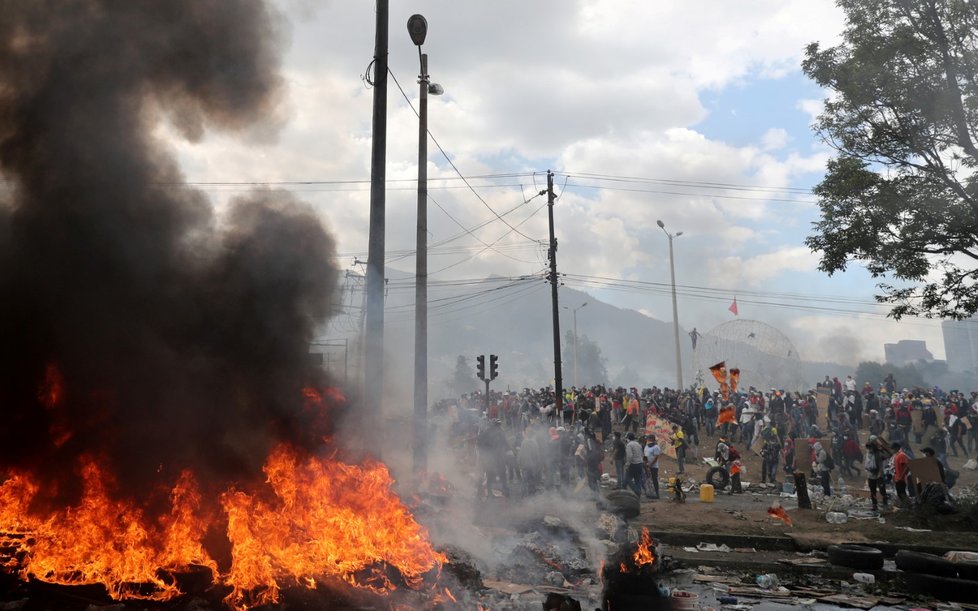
x=906 y=376
x=901 y=195
x=592 y=367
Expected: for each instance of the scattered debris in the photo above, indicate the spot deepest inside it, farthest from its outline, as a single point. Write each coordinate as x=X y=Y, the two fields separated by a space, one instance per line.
x=777 y=512
x=712 y=547
x=914 y=530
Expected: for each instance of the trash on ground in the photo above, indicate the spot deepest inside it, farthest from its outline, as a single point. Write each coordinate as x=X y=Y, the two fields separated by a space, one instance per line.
x=713 y=547
x=767 y=581
x=911 y=529
x=958 y=556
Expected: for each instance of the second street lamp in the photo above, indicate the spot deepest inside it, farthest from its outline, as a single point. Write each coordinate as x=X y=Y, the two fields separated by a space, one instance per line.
x=574 y=310
x=675 y=310
x=418 y=28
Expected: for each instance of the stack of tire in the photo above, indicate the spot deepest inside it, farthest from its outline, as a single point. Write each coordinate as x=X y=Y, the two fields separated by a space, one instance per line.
x=858 y=557
x=939 y=577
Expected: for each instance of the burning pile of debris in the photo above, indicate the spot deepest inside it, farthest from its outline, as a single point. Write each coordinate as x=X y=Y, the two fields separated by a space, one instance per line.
x=630 y=577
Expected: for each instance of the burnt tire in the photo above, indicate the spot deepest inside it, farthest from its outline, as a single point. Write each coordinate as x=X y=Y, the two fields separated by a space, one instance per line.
x=718 y=478
x=930 y=564
x=624 y=503
x=967 y=570
x=943 y=588
x=856 y=556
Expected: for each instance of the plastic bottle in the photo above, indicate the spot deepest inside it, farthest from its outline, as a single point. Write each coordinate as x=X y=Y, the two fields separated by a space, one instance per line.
x=767 y=581
x=841 y=485
x=836 y=517
x=864 y=577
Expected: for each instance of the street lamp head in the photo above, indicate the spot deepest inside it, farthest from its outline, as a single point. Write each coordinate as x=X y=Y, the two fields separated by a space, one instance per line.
x=417 y=27
x=584 y=304
x=661 y=224
x=679 y=233
x=435 y=89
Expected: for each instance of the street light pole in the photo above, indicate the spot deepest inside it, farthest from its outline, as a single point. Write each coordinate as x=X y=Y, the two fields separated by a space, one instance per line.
x=675 y=309
x=574 y=311
x=418 y=29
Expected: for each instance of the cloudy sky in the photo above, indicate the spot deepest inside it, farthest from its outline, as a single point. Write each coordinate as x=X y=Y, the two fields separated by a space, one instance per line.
x=644 y=110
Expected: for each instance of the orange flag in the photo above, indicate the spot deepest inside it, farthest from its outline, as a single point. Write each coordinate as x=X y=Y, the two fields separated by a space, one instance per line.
x=734 y=379
x=719 y=372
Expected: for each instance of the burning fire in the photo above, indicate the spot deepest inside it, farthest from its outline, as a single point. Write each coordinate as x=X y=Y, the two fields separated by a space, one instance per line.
x=643 y=553
x=314 y=518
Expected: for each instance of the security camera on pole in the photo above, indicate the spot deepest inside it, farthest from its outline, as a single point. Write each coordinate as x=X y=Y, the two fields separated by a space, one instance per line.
x=481 y=372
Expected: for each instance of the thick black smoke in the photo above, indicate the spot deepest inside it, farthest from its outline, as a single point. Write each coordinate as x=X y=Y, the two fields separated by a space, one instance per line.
x=180 y=337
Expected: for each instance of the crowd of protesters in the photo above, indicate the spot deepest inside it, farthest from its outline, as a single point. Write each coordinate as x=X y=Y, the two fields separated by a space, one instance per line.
x=530 y=439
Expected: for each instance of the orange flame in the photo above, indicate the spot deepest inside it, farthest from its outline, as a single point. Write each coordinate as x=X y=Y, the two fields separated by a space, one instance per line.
x=643 y=554
x=358 y=524
x=109 y=542
x=320 y=518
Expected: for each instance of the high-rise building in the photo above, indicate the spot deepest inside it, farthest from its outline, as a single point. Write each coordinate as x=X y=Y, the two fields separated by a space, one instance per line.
x=907 y=351
x=961 y=344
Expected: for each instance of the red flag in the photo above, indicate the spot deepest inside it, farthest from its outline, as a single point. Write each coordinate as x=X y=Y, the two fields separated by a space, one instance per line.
x=734 y=379
x=733 y=306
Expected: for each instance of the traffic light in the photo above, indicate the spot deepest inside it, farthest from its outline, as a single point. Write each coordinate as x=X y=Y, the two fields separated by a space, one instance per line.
x=493 y=372
x=481 y=366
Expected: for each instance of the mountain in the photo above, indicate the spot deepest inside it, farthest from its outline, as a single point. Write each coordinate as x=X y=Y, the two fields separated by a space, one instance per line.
x=513 y=319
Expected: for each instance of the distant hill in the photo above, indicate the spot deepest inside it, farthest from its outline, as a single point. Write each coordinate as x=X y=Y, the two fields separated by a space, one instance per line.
x=515 y=323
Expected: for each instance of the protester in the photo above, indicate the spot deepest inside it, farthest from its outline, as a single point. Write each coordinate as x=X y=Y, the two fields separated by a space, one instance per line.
x=901 y=472
x=876 y=455
x=634 y=464
x=652 y=454
x=678 y=439
x=823 y=467
x=770 y=453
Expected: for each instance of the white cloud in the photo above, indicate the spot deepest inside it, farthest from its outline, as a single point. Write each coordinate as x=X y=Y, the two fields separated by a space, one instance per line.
x=774 y=139
x=759 y=271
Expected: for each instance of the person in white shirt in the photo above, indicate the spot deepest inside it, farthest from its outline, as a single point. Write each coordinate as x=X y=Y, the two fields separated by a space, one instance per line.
x=652 y=454
x=634 y=464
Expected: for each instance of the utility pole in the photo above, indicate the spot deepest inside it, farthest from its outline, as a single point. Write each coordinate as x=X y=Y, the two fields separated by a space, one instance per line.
x=558 y=377
x=418 y=29
x=373 y=384
x=675 y=309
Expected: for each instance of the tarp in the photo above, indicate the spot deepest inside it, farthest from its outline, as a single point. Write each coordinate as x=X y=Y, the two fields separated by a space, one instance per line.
x=662 y=429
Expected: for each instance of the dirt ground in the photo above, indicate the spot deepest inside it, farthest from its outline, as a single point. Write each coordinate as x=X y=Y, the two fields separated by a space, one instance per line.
x=746 y=514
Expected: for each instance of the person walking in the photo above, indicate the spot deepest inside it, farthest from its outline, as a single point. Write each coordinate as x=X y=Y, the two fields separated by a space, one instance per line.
x=823 y=467
x=634 y=465
x=678 y=440
x=770 y=453
x=652 y=454
x=901 y=472
x=873 y=460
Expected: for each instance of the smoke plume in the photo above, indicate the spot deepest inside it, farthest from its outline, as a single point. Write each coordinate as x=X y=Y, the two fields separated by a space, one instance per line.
x=135 y=324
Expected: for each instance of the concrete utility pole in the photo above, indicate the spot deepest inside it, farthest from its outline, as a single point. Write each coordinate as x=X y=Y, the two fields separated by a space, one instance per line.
x=574 y=311
x=675 y=310
x=418 y=29
x=558 y=376
x=373 y=385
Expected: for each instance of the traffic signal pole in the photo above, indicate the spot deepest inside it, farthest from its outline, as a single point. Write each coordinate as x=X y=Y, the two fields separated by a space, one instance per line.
x=484 y=376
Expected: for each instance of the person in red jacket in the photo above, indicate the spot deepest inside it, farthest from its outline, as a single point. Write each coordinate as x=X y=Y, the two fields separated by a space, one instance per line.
x=901 y=472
